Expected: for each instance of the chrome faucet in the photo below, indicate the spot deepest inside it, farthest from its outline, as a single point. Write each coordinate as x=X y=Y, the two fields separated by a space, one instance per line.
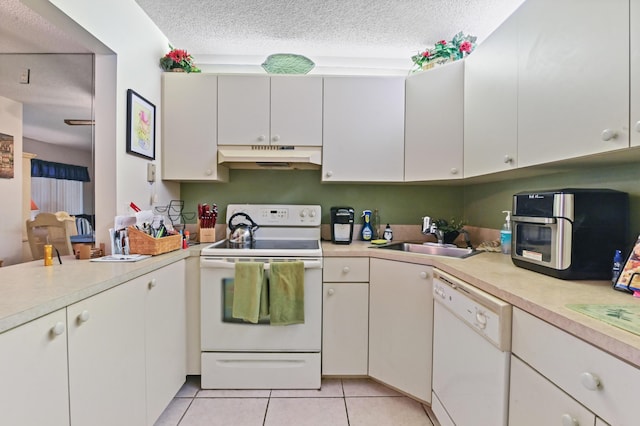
x=430 y=227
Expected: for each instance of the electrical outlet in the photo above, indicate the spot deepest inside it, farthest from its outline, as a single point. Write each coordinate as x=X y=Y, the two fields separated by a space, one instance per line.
x=151 y=172
x=24 y=76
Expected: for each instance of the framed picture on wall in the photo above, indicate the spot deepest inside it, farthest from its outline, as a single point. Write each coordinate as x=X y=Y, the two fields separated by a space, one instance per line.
x=141 y=126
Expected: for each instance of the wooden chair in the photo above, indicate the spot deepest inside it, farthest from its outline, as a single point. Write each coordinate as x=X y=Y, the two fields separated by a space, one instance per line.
x=49 y=228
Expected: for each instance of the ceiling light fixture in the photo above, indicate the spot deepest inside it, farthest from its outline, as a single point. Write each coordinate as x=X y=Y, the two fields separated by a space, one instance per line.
x=79 y=122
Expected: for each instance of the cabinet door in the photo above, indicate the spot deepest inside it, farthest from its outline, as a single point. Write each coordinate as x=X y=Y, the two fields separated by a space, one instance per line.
x=635 y=72
x=401 y=326
x=345 y=328
x=363 y=129
x=165 y=336
x=107 y=358
x=572 y=101
x=434 y=124
x=535 y=401
x=491 y=103
x=189 y=128
x=296 y=111
x=604 y=384
x=243 y=110
x=33 y=368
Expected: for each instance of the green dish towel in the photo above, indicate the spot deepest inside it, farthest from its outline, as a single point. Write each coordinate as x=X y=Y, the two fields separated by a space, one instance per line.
x=250 y=292
x=286 y=288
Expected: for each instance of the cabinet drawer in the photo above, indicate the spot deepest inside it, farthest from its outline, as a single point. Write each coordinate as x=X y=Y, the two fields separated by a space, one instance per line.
x=601 y=382
x=346 y=269
x=529 y=391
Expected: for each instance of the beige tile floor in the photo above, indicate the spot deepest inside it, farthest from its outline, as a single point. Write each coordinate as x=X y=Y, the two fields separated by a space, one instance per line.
x=340 y=402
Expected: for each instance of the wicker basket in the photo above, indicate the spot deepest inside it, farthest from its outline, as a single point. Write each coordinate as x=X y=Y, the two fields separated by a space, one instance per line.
x=142 y=243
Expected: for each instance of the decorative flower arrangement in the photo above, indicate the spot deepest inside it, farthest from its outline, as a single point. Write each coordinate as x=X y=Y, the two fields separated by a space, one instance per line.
x=178 y=59
x=460 y=46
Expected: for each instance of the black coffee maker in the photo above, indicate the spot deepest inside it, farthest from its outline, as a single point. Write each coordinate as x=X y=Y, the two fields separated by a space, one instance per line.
x=342 y=225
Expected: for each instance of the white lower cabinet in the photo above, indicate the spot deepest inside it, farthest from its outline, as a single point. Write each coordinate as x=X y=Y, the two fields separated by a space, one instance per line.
x=107 y=357
x=401 y=326
x=345 y=316
x=165 y=336
x=345 y=328
x=535 y=401
x=33 y=371
x=605 y=385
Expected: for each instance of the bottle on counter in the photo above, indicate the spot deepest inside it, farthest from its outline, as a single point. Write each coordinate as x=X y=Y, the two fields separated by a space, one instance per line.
x=616 y=268
x=388 y=233
x=48 y=255
x=366 y=233
x=505 y=234
x=375 y=224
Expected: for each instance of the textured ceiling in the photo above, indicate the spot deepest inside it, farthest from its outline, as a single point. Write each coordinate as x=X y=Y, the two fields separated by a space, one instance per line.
x=385 y=29
x=339 y=33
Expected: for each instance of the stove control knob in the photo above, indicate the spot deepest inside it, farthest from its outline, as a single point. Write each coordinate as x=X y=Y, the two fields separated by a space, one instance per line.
x=304 y=213
x=312 y=213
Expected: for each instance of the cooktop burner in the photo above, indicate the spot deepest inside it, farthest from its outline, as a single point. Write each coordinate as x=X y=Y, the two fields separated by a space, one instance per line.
x=272 y=245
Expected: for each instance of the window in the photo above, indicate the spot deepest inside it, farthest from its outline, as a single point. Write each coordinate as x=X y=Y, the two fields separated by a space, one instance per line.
x=57 y=186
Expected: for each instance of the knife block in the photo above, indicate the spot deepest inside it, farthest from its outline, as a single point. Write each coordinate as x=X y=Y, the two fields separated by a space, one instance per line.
x=206 y=235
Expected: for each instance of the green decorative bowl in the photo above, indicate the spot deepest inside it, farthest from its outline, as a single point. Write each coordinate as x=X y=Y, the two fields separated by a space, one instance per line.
x=287 y=63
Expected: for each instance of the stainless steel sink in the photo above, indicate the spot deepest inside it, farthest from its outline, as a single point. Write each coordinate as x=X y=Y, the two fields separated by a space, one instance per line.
x=430 y=248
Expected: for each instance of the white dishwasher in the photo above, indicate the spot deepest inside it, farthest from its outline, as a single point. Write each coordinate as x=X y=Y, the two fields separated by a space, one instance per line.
x=471 y=354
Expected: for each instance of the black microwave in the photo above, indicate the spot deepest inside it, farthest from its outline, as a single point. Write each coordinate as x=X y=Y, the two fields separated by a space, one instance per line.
x=569 y=233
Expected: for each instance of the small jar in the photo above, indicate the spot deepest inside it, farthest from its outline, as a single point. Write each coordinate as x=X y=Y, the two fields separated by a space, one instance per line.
x=48 y=255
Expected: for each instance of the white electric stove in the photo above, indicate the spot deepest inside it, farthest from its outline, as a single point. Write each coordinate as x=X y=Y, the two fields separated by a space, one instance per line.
x=242 y=355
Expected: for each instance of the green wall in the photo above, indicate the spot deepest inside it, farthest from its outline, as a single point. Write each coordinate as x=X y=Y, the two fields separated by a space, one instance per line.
x=479 y=204
x=483 y=202
x=397 y=203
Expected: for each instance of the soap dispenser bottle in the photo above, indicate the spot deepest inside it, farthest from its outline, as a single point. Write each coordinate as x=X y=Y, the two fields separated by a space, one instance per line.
x=505 y=234
x=366 y=233
x=388 y=233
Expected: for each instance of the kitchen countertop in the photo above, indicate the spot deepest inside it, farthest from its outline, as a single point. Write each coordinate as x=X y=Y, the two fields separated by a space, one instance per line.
x=543 y=296
x=30 y=290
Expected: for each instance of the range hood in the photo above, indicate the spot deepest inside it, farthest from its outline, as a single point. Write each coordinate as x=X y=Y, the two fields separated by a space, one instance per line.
x=281 y=157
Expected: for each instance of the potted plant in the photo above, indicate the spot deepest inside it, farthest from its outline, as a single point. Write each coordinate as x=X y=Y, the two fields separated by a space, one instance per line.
x=450 y=228
x=178 y=60
x=444 y=51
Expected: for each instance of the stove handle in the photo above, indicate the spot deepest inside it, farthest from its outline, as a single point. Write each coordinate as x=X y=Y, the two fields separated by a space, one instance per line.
x=230 y=264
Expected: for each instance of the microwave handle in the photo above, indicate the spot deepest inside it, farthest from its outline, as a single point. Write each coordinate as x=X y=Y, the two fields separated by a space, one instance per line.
x=208 y=262
x=531 y=219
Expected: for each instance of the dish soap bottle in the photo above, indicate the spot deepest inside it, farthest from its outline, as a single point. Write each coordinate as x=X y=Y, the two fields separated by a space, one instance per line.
x=366 y=233
x=388 y=233
x=505 y=234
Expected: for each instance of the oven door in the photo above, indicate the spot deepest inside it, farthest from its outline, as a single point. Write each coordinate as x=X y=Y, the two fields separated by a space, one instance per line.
x=542 y=241
x=221 y=333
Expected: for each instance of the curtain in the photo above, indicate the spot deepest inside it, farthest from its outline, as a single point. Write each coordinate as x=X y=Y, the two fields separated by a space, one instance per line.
x=49 y=169
x=54 y=195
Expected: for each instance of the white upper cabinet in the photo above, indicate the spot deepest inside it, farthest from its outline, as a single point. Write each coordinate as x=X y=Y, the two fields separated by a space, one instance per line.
x=363 y=129
x=434 y=124
x=243 y=110
x=296 y=111
x=263 y=110
x=189 y=127
x=635 y=72
x=491 y=103
x=573 y=79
